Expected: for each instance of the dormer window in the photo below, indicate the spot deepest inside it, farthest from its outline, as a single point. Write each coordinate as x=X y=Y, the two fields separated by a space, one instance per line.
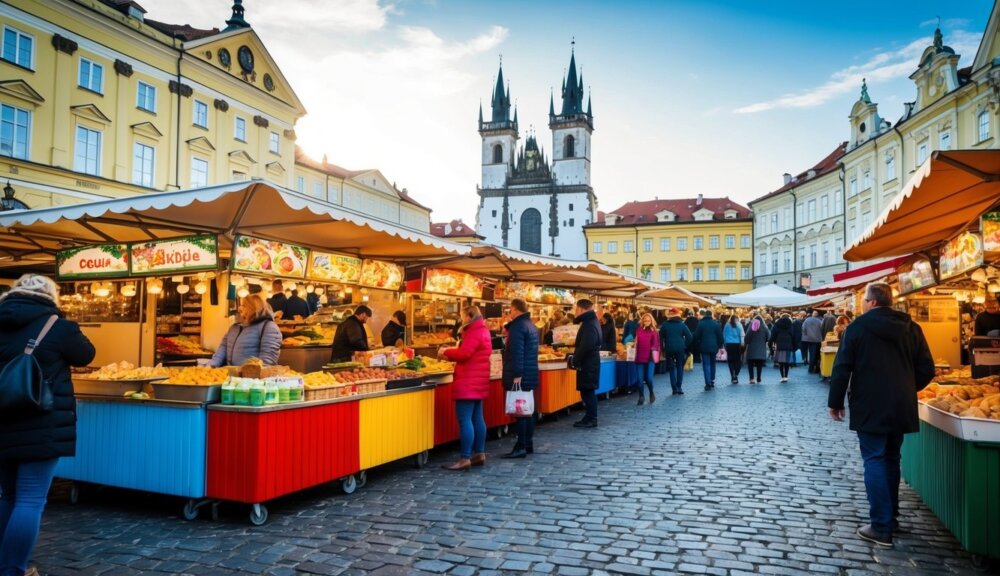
x=666 y=216
x=610 y=219
x=731 y=215
x=704 y=214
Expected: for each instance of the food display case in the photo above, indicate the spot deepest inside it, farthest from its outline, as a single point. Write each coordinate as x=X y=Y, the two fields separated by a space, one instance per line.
x=432 y=321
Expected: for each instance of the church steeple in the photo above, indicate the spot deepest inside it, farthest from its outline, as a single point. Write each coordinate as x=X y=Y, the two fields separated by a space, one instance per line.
x=572 y=95
x=501 y=100
x=236 y=21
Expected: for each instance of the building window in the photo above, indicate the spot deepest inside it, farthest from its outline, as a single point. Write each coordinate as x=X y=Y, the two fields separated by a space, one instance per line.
x=811 y=211
x=572 y=222
x=571 y=207
x=697 y=274
x=596 y=248
x=15 y=131
x=713 y=273
x=866 y=220
x=647 y=245
x=852 y=232
x=800 y=211
x=812 y=255
x=300 y=184
x=87 y=156
x=744 y=272
x=628 y=270
x=730 y=241
x=569 y=147
x=699 y=242
x=763 y=264
x=788 y=260
x=983 y=121
x=664 y=244
x=199 y=172
x=745 y=241
x=17 y=47
x=200 y=114
x=143 y=162
x=612 y=247
x=852 y=189
x=838 y=204
x=239 y=176
x=494 y=212
x=682 y=243
x=646 y=272
x=788 y=218
x=866 y=180
x=921 y=153
x=664 y=274
x=240 y=129
x=682 y=274
x=713 y=242
x=774 y=223
x=826 y=253
x=274 y=144
x=730 y=272
x=91 y=76
x=497 y=154
x=824 y=206
x=802 y=257
x=146 y=97
x=945 y=141
x=628 y=246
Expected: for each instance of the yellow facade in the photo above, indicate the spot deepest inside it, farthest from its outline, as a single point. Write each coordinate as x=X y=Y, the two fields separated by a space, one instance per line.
x=708 y=257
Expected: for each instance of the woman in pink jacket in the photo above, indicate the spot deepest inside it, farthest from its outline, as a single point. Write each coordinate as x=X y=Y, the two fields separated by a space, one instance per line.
x=471 y=386
x=647 y=350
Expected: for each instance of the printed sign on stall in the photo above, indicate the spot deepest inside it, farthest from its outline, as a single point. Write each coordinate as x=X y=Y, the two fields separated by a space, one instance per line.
x=990 y=224
x=259 y=256
x=452 y=283
x=380 y=274
x=510 y=290
x=561 y=296
x=177 y=255
x=962 y=253
x=334 y=268
x=916 y=275
x=104 y=261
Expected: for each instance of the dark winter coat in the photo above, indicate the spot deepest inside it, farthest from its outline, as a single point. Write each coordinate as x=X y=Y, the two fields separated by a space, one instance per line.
x=520 y=354
x=50 y=435
x=675 y=336
x=756 y=341
x=349 y=338
x=259 y=339
x=885 y=360
x=783 y=335
x=829 y=321
x=708 y=336
x=393 y=333
x=609 y=337
x=692 y=325
x=587 y=351
x=277 y=303
x=797 y=333
x=812 y=329
x=295 y=306
x=472 y=362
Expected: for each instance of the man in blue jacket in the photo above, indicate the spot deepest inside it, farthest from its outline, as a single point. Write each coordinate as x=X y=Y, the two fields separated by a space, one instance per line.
x=708 y=341
x=675 y=338
x=520 y=368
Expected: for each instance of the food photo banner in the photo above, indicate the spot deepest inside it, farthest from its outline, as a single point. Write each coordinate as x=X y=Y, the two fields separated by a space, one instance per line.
x=104 y=261
x=532 y=293
x=259 y=256
x=990 y=225
x=381 y=274
x=189 y=254
x=338 y=268
x=960 y=254
x=915 y=276
x=452 y=283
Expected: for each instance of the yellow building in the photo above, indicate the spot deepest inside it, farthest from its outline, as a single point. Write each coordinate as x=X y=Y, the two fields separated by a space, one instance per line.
x=702 y=244
x=98 y=101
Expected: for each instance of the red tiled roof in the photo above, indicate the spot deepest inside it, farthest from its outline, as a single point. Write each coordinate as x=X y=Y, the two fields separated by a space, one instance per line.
x=453 y=229
x=828 y=164
x=644 y=212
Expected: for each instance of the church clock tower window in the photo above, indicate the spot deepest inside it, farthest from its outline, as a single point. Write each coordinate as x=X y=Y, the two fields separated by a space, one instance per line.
x=569 y=146
x=497 y=154
x=531 y=231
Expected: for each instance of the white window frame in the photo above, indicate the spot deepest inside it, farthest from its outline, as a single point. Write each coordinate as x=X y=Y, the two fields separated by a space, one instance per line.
x=682 y=244
x=730 y=272
x=664 y=274
x=82 y=168
x=141 y=102
x=240 y=128
x=91 y=65
x=838 y=204
x=787 y=260
x=944 y=140
x=14 y=126
x=824 y=207
x=140 y=176
x=274 y=143
x=923 y=151
x=647 y=244
x=698 y=243
x=318 y=189
x=983 y=125
x=811 y=211
x=713 y=242
x=664 y=244
x=17 y=45
x=745 y=273
x=730 y=241
x=202 y=106
x=198 y=161
x=300 y=184
x=682 y=274
x=745 y=241
x=852 y=189
x=697 y=274
x=628 y=246
x=866 y=180
x=596 y=247
x=612 y=246
x=713 y=273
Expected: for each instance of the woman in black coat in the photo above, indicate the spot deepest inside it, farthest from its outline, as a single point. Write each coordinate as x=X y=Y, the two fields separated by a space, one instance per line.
x=783 y=342
x=609 y=335
x=31 y=444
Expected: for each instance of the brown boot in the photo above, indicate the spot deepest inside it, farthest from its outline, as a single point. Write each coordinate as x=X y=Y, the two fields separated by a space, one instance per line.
x=462 y=465
x=478 y=459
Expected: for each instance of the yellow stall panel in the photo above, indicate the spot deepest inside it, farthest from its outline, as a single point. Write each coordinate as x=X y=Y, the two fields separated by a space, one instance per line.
x=396 y=426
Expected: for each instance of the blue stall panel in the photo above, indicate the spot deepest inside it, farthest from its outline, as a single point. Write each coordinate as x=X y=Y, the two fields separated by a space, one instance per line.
x=627 y=375
x=150 y=446
x=606 y=383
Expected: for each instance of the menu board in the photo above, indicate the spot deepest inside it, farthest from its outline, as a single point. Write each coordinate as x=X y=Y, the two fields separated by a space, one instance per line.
x=104 y=261
x=964 y=252
x=451 y=283
x=380 y=274
x=562 y=296
x=259 y=256
x=916 y=275
x=510 y=290
x=334 y=268
x=176 y=255
x=990 y=225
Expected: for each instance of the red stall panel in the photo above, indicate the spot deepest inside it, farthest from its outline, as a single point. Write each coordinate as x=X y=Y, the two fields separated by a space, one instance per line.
x=445 y=421
x=257 y=456
x=494 y=409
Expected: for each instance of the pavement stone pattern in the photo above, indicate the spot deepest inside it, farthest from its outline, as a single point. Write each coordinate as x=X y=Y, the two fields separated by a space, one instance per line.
x=737 y=481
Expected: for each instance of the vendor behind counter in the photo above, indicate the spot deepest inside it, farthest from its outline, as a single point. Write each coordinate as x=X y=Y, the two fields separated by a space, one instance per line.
x=988 y=321
x=255 y=336
x=351 y=336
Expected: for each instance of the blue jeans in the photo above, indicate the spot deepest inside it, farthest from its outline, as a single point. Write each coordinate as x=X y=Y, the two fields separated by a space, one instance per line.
x=24 y=489
x=589 y=398
x=525 y=433
x=646 y=371
x=471 y=427
x=708 y=366
x=675 y=368
x=881 y=455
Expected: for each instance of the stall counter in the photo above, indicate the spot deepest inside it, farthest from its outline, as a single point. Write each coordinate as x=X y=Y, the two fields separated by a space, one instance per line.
x=305 y=359
x=607 y=382
x=556 y=388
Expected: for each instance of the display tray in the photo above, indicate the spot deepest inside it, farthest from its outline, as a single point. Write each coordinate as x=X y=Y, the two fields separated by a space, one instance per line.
x=405 y=383
x=972 y=429
x=93 y=387
x=311 y=403
x=187 y=392
x=440 y=377
x=558 y=365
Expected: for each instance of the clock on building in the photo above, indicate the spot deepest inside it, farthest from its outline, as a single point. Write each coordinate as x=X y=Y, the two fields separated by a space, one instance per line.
x=246 y=59
x=225 y=58
x=268 y=83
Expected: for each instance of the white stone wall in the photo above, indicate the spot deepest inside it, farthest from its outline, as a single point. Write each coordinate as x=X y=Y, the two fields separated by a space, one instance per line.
x=571 y=242
x=495 y=175
x=576 y=170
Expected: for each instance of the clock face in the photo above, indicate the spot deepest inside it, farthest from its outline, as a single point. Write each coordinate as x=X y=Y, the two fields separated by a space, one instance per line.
x=246 y=58
x=225 y=58
x=268 y=83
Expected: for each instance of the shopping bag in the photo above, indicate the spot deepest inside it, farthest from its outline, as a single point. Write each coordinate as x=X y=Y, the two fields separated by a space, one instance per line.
x=721 y=356
x=656 y=356
x=689 y=363
x=630 y=354
x=519 y=403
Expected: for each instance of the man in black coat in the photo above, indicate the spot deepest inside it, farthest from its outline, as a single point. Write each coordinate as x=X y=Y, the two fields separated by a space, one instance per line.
x=885 y=360
x=587 y=360
x=691 y=321
x=351 y=336
x=796 y=335
x=520 y=368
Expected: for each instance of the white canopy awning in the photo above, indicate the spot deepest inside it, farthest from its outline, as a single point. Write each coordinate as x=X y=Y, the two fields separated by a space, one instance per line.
x=255 y=208
x=774 y=296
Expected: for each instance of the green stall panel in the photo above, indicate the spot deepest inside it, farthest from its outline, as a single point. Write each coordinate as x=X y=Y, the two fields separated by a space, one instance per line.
x=960 y=482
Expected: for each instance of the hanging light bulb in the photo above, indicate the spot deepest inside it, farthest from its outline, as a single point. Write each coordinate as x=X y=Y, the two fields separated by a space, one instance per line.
x=183 y=288
x=319 y=291
x=292 y=287
x=154 y=286
x=365 y=298
x=128 y=290
x=994 y=286
x=349 y=290
x=102 y=290
x=201 y=287
x=243 y=291
x=310 y=288
x=979 y=276
x=94 y=287
x=237 y=280
x=342 y=294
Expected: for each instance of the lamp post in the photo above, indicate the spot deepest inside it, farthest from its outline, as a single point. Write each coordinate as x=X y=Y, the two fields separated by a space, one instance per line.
x=8 y=201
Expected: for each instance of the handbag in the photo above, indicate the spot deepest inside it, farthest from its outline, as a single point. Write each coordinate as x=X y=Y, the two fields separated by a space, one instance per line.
x=656 y=356
x=23 y=387
x=519 y=403
x=689 y=363
x=721 y=355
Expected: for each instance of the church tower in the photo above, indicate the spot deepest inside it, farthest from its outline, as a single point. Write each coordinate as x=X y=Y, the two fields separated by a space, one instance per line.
x=499 y=137
x=571 y=131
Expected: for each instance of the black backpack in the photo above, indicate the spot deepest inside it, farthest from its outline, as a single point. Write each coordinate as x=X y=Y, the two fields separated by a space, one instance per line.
x=23 y=388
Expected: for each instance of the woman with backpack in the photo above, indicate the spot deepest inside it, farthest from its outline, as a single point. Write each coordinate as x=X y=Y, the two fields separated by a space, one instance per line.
x=31 y=442
x=757 y=337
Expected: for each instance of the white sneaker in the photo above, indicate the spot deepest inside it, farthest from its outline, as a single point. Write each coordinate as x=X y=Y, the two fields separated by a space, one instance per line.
x=752 y=381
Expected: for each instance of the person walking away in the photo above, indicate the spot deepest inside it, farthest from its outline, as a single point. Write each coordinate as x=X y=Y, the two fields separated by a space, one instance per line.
x=630 y=328
x=691 y=321
x=676 y=341
x=351 y=336
x=797 y=337
x=587 y=360
x=757 y=346
x=829 y=322
x=732 y=335
x=255 y=336
x=32 y=444
x=708 y=341
x=609 y=335
x=812 y=336
x=394 y=333
x=783 y=342
x=647 y=341
x=295 y=306
x=277 y=300
x=885 y=360
x=470 y=388
x=520 y=368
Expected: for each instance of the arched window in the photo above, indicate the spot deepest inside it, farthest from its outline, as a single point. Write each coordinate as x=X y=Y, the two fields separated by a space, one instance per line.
x=531 y=231
x=984 y=125
x=497 y=154
x=569 y=147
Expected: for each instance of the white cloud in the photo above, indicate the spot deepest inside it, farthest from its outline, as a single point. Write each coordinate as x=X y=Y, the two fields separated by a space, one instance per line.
x=947 y=23
x=882 y=67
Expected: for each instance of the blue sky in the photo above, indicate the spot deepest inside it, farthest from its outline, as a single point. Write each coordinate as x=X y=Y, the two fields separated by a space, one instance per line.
x=717 y=98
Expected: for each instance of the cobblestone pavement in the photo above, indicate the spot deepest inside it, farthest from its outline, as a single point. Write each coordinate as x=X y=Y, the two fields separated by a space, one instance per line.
x=740 y=480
